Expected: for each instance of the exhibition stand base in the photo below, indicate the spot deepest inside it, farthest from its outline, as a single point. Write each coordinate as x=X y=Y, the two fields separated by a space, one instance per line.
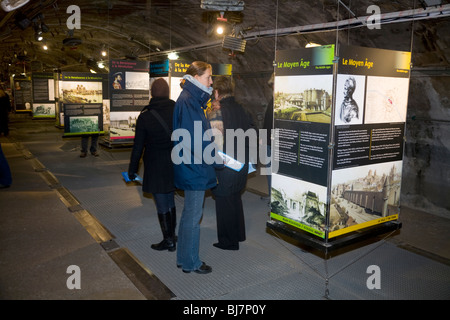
x=336 y=243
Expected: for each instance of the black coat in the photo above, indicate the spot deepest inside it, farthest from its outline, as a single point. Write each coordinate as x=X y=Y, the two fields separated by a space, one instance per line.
x=152 y=139
x=233 y=117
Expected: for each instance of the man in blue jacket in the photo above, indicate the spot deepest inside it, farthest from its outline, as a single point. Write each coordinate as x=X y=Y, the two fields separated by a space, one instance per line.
x=194 y=173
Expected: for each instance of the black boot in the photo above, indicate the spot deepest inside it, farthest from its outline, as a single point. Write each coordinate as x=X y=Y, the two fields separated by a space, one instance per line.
x=173 y=222
x=168 y=242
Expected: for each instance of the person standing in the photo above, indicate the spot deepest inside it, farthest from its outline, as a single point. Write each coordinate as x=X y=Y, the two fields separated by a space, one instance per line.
x=231 y=183
x=5 y=109
x=192 y=173
x=153 y=138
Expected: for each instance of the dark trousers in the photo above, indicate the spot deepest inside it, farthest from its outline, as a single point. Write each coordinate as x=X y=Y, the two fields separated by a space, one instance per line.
x=5 y=171
x=230 y=221
x=164 y=202
x=85 y=143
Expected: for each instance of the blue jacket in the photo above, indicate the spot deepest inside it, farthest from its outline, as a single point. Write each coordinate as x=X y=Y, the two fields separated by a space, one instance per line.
x=192 y=173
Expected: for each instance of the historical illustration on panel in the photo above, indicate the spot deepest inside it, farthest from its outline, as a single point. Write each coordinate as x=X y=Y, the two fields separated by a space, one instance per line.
x=386 y=99
x=303 y=98
x=349 y=99
x=360 y=194
x=302 y=202
x=81 y=92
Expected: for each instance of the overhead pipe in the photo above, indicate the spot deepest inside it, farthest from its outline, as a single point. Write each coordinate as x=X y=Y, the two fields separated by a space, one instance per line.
x=356 y=22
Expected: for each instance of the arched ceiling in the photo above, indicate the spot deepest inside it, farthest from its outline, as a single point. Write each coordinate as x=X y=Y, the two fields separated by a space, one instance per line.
x=147 y=30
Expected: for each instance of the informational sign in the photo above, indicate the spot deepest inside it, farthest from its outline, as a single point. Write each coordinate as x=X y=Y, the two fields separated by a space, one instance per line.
x=339 y=131
x=303 y=94
x=129 y=88
x=43 y=95
x=23 y=95
x=371 y=101
x=81 y=95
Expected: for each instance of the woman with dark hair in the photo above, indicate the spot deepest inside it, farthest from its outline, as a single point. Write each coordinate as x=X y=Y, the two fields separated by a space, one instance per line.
x=153 y=137
x=231 y=183
x=192 y=173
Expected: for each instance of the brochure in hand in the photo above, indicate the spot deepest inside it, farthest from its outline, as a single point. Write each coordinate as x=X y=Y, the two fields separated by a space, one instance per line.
x=231 y=162
x=127 y=178
x=234 y=164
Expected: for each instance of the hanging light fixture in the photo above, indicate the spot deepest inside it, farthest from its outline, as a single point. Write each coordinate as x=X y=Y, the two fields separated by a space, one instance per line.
x=173 y=56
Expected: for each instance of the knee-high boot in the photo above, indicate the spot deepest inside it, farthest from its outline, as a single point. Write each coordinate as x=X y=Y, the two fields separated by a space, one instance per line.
x=173 y=222
x=168 y=242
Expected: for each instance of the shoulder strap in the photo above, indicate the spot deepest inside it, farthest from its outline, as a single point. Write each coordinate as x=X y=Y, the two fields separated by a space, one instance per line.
x=161 y=121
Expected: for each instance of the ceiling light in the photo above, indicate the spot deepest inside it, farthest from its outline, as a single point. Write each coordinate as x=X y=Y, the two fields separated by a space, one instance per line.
x=219 y=30
x=101 y=64
x=312 y=44
x=173 y=56
x=104 y=53
x=44 y=47
x=38 y=35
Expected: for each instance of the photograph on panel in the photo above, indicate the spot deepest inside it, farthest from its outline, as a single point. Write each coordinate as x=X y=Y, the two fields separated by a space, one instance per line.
x=303 y=98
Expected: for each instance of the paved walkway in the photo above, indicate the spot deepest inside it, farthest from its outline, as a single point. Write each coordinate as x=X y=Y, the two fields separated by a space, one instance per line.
x=64 y=211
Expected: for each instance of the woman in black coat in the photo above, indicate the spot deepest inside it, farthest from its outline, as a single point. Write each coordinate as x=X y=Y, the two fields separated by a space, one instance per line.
x=231 y=183
x=153 y=137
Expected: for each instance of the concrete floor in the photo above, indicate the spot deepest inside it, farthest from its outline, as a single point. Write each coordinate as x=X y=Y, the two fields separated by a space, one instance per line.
x=63 y=211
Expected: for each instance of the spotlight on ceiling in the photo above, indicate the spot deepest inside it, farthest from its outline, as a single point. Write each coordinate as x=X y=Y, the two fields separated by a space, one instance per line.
x=219 y=29
x=234 y=43
x=173 y=56
x=312 y=44
x=38 y=35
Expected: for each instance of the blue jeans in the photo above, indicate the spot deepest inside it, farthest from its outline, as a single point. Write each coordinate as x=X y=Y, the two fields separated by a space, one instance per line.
x=189 y=230
x=164 y=202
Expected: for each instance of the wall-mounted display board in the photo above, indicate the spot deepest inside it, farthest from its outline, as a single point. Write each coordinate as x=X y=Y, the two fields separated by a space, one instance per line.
x=338 y=136
x=23 y=95
x=129 y=87
x=43 y=85
x=81 y=96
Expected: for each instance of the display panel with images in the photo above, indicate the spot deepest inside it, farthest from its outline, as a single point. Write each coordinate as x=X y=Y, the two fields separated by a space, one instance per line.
x=43 y=95
x=81 y=97
x=23 y=95
x=353 y=161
